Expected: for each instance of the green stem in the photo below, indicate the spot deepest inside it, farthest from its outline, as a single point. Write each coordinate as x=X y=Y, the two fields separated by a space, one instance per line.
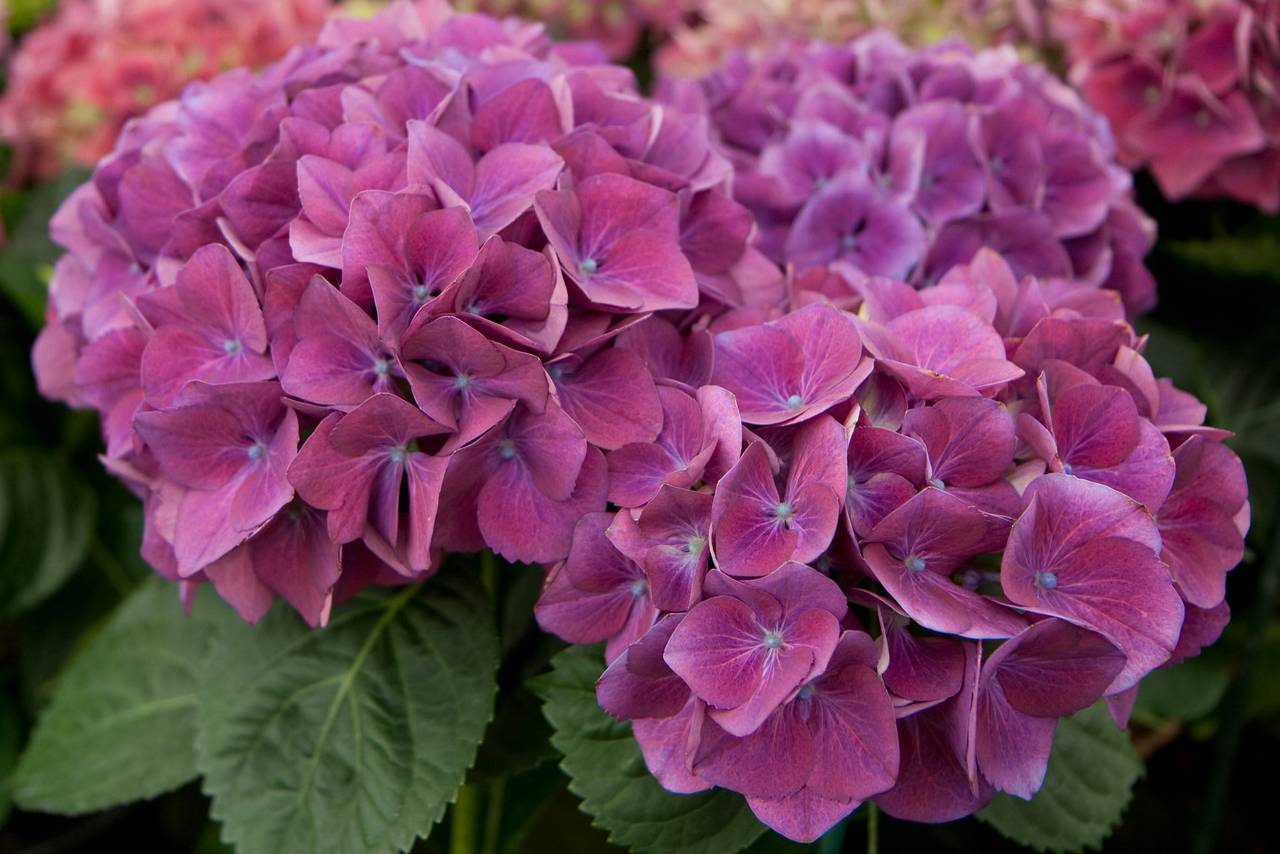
x=493 y=816
x=466 y=821
x=873 y=829
x=1235 y=707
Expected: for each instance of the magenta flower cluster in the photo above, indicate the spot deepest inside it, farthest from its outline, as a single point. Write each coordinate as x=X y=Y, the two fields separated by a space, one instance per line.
x=1191 y=90
x=905 y=162
x=886 y=539
x=384 y=301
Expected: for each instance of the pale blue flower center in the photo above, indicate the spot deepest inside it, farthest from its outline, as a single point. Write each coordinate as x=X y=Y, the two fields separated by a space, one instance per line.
x=772 y=640
x=1047 y=580
x=694 y=545
x=587 y=266
x=398 y=454
x=231 y=346
x=806 y=691
x=381 y=367
x=784 y=511
x=462 y=382
x=257 y=451
x=848 y=242
x=1066 y=468
x=915 y=564
x=997 y=164
x=937 y=482
x=639 y=587
x=420 y=293
x=507 y=449
x=795 y=402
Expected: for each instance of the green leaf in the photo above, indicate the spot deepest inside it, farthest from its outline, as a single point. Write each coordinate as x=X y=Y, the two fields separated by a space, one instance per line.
x=1186 y=692
x=1088 y=786
x=352 y=738
x=606 y=770
x=121 y=724
x=26 y=262
x=46 y=518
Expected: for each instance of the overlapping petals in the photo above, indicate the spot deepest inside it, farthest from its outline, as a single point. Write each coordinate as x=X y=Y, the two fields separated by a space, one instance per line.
x=905 y=162
x=394 y=297
x=941 y=520
x=1188 y=88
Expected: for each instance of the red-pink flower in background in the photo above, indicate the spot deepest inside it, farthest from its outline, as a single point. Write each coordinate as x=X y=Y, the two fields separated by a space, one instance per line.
x=1190 y=89
x=76 y=79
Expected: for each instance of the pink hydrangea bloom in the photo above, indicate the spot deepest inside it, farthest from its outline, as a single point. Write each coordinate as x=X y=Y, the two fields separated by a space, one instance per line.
x=948 y=518
x=905 y=162
x=394 y=297
x=78 y=77
x=1189 y=88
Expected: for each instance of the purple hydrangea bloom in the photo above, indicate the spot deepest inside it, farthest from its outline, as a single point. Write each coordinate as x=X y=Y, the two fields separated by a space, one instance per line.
x=982 y=513
x=423 y=256
x=906 y=162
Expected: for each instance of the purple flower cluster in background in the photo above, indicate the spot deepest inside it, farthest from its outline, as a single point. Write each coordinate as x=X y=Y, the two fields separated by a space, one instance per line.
x=949 y=518
x=1191 y=89
x=385 y=300
x=905 y=162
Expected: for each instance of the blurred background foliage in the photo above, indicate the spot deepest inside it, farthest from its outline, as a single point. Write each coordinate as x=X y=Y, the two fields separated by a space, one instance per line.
x=1208 y=730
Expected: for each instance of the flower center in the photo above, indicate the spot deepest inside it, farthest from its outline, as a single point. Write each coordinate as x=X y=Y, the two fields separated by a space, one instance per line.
x=231 y=346
x=806 y=691
x=795 y=402
x=507 y=449
x=1047 y=580
x=938 y=484
x=848 y=242
x=587 y=266
x=1066 y=468
x=694 y=544
x=772 y=640
x=997 y=164
x=639 y=587
x=257 y=451
x=398 y=454
x=915 y=564
x=381 y=367
x=420 y=293
x=462 y=382
x=784 y=511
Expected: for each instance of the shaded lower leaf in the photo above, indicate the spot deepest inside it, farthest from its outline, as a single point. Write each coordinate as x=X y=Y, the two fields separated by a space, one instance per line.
x=46 y=520
x=1087 y=788
x=1186 y=692
x=352 y=738
x=607 y=772
x=121 y=724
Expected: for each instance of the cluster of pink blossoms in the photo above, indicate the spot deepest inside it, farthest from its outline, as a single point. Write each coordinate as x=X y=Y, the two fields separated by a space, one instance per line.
x=384 y=301
x=77 y=78
x=618 y=26
x=1192 y=89
x=905 y=162
x=888 y=537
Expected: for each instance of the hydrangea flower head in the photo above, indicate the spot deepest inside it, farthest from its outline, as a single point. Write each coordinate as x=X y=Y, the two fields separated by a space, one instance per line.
x=1189 y=89
x=945 y=519
x=395 y=297
x=905 y=162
